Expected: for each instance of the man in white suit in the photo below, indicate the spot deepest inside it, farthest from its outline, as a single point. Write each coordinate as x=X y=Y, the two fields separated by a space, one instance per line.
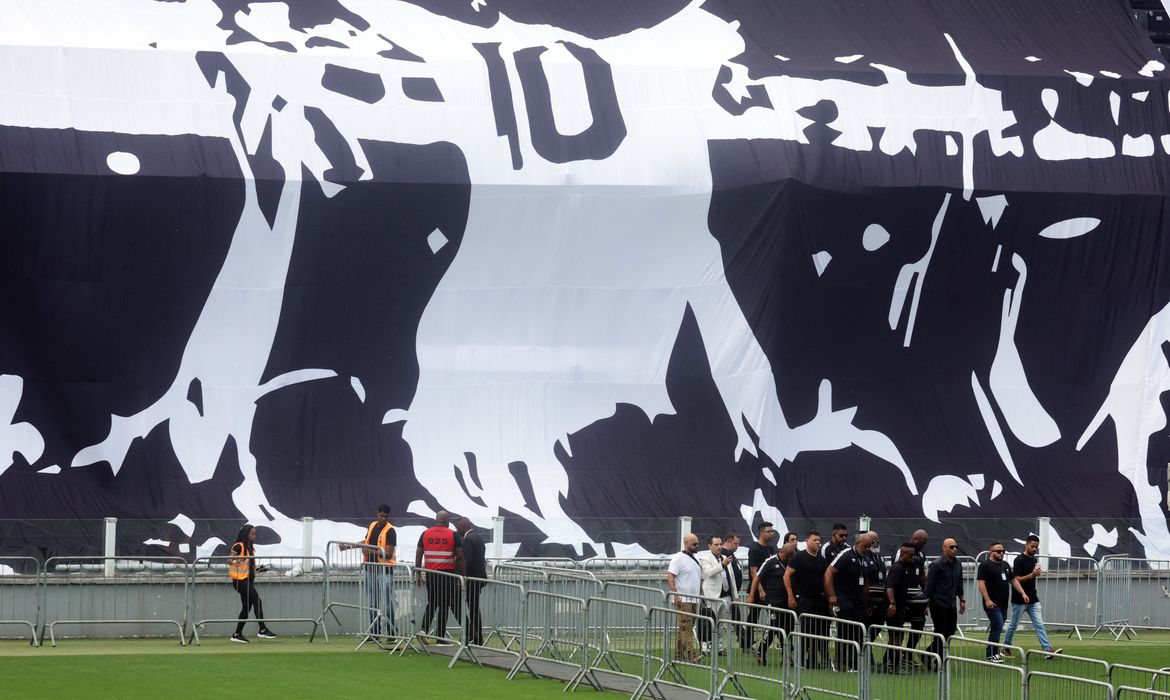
x=715 y=582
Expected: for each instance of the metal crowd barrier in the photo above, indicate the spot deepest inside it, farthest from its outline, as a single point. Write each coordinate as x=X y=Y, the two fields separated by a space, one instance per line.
x=616 y=643
x=345 y=602
x=906 y=651
x=438 y=607
x=905 y=673
x=754 y=675
x=1038 y=685
x=213 y=600
x=648 y=596
x=553 y=634
x=494 y=614
x=1135 y=593
x=819 y=676
x=148 y=591
x=1068 y=591
x=760 y=616
x=1067 y=665
x=975 y=679
x=1126 y=692
x=20 y=594
x=386 y=595
x=671 y=633
x=1139 y=678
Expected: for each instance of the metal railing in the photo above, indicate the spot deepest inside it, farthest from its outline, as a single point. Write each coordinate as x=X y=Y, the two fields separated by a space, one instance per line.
x=147 y=592
x=278 y=581
x=20 y=594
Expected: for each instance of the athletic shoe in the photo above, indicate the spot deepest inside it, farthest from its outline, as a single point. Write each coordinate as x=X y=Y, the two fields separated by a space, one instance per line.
x=266 y=634
x=239 y=639
x=425 y=639
x=1053 y=653
x=705 y=648
x=995 y=659
x=1007 y=653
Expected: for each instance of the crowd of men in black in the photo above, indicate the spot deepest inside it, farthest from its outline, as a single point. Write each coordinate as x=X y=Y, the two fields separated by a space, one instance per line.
x=852 y=583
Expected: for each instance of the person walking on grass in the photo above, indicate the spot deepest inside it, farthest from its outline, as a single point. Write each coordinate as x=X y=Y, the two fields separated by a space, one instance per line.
x=1027 y=569
x=995 y=579
x=242 y=572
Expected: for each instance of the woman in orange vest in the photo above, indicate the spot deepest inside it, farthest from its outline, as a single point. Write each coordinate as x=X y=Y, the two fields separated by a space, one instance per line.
x=242 y=572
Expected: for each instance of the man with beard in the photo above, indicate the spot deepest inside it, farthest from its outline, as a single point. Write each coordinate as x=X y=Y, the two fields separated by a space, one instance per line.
x=918 y=601
x=804 y=582
x=837 y=541
x=1027 y=569
x=758 y=552
x=848 y=593
x=684 y=577
x=996 y=579
x=734 y=584
x=475 y=561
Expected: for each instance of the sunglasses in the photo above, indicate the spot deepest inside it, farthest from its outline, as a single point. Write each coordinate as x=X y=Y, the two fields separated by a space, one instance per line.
x=997 y=551
x=952 y=546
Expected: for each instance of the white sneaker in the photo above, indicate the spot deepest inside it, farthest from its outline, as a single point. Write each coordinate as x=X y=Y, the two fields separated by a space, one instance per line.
x=705 y=647
x=995 y=659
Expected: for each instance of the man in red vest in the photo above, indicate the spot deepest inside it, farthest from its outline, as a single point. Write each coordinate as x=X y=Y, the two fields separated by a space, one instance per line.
x=440 y=549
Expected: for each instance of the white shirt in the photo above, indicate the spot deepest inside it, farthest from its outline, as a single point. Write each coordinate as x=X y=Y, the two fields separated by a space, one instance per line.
x=713 y=578
x=688 y=575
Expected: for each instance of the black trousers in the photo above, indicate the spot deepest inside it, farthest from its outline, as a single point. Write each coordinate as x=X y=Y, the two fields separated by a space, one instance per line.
x=777 y=620
x=474 y=626
x=706 y=627
x=895 y=658
x=249 y=598
x=442 y=595
x=946 y=622
x=846 y=654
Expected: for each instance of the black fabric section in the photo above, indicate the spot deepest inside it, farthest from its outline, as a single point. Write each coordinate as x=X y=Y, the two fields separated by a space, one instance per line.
x=360 y=276
x=397 y=52
x=603 y=18
x=757 y=96
x=316 y=41
x=195 y=394
x=329 y=139
x=268 y=175
x=422 y=89
x=502 y=106
x=351 y=82
x=602 y=138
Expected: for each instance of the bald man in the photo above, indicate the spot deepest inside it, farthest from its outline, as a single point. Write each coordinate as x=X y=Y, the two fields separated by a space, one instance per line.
x=944 y=583
x=917 y=606
x=439 y=550
x=685 y=576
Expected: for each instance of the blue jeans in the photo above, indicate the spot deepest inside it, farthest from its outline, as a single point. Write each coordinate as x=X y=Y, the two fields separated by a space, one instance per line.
x=379 y=582
x=1033 y=610
x=994 y=627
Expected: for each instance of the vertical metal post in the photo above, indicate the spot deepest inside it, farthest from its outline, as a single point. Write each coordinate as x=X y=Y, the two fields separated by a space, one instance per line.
x=498 y=537
x=1043 y=528
x=684 y=529
x=307 y=544
x=110 y=538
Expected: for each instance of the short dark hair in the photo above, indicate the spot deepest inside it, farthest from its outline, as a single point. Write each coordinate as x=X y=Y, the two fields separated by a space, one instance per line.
x=762 y=526
x=908 y=544
x=789 y=534
x=995 y=542
x=840 y=526
x=384 y=509
x=730 y=536
x=1031 y=538
x=712 y=538
x=810 y=533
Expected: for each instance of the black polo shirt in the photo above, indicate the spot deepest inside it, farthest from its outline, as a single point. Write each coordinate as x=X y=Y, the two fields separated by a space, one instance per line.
x=830 y=551
x=1023 y=566
x=997 y=577
x=918 y=568
x=808 y=575
x=875 y=569
x=849 y=581
x=771 y=576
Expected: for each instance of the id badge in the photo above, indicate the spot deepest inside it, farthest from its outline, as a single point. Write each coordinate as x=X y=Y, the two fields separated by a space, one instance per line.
x=860 y=580
x=1003 y=575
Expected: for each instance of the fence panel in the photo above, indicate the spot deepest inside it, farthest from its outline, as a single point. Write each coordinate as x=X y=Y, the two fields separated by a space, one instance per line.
x=671 y=638
x=1115 y=583
x=344 y=603
x=530 y=578
x=970 y=678
x=143 y=594
x=494 y=622
x=649 y=596
x=1139 y=677
x=1065 y=665
x=812 y=672
x=1068 y=591
x=553 y=634
x=616 y=642
x=761 y=675
x=20 y=594
x=980 y=649
x=291 y=590
x=1137 y=593
x=1053 y=686
x=904 y=674
x=901 y=650
x=759 y=615
x=439 y=607
x=846 y=637
x=1126 y=692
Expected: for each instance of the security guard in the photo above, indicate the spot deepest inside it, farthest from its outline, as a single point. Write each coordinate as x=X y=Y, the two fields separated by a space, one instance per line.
x=440 y=549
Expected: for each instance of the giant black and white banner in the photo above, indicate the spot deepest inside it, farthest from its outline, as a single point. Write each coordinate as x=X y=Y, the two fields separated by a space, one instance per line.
x=584 y=264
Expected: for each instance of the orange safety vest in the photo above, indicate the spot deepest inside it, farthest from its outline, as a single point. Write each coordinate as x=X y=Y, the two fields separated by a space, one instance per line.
x=381 y=555
x=439 y=548
x=238 y=568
